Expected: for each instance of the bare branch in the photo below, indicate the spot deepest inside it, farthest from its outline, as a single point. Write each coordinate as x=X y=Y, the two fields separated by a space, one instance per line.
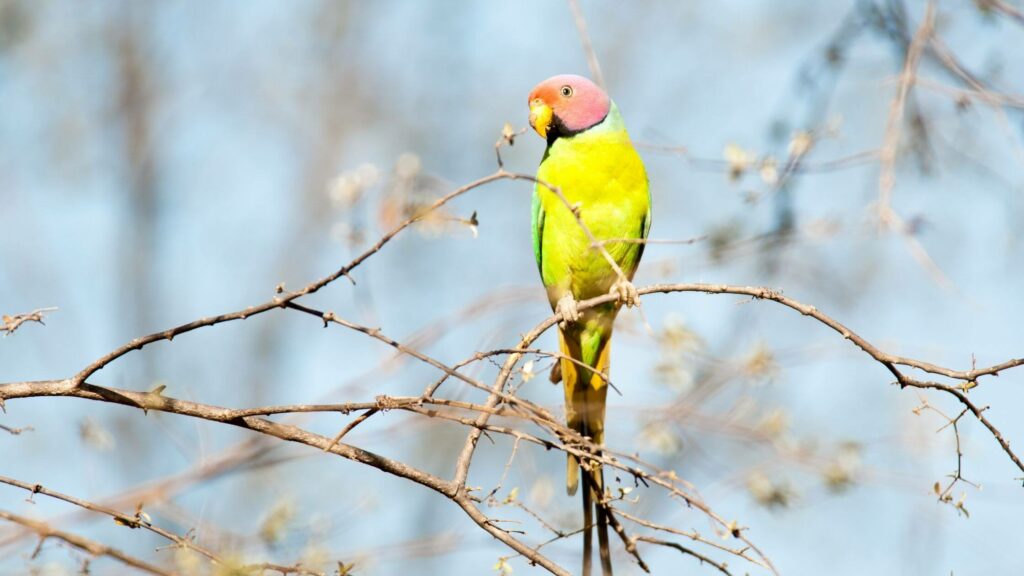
x=137 y=520
x=12 y=323
x=721 y=567
x=84 y=544
x=1003 y=8
x=588 y=46
x=887 y=178
x=284 y=298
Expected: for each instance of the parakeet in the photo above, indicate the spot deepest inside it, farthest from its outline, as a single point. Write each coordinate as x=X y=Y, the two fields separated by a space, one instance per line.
x=590 y=159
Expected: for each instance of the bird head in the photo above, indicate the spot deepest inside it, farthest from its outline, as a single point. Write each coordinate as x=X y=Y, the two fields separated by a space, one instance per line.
x=565 y=105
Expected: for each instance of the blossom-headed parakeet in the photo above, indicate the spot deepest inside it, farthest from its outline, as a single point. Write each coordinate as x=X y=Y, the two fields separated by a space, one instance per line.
x=590 y=159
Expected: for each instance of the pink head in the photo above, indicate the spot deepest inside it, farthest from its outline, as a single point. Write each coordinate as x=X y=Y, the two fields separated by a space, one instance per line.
x=565 y=105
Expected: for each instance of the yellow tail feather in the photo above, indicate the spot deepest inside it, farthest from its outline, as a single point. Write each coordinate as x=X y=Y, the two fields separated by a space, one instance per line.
x=585 y=393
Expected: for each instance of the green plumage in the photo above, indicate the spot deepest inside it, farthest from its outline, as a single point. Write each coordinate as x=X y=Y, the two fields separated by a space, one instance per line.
x=599 y=171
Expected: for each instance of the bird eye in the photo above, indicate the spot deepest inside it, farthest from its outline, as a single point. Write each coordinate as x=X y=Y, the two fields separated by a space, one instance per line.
x=567 y=91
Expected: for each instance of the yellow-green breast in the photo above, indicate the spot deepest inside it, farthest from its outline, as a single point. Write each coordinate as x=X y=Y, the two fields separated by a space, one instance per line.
x=601 y=172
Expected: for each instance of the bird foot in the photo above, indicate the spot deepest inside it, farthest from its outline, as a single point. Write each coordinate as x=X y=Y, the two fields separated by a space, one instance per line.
x=625 y=293
x=567 y=310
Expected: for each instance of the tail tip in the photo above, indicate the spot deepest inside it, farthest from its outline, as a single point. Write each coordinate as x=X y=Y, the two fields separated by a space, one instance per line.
x=572 y=476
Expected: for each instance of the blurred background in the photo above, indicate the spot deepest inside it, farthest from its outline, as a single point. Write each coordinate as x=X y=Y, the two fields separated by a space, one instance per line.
x=160 y=162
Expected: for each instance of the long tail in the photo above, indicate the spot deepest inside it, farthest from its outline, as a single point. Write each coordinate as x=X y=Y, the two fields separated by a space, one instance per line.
x=585 y=394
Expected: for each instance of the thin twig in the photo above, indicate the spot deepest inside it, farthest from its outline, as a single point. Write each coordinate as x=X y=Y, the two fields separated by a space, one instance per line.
x=588 y=46
x=84 y=544
x=8 y=324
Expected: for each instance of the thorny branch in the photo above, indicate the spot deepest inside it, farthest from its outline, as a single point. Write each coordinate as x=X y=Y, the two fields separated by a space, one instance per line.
x=502 y=401
x=581 y=447
x=887 y=178
x=945 y=495
x=8 y=324
x=140 y=519
x=92 y=547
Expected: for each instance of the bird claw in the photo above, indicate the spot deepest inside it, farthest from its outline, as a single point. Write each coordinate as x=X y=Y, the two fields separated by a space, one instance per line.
x=625 y=293
x=567 y=310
